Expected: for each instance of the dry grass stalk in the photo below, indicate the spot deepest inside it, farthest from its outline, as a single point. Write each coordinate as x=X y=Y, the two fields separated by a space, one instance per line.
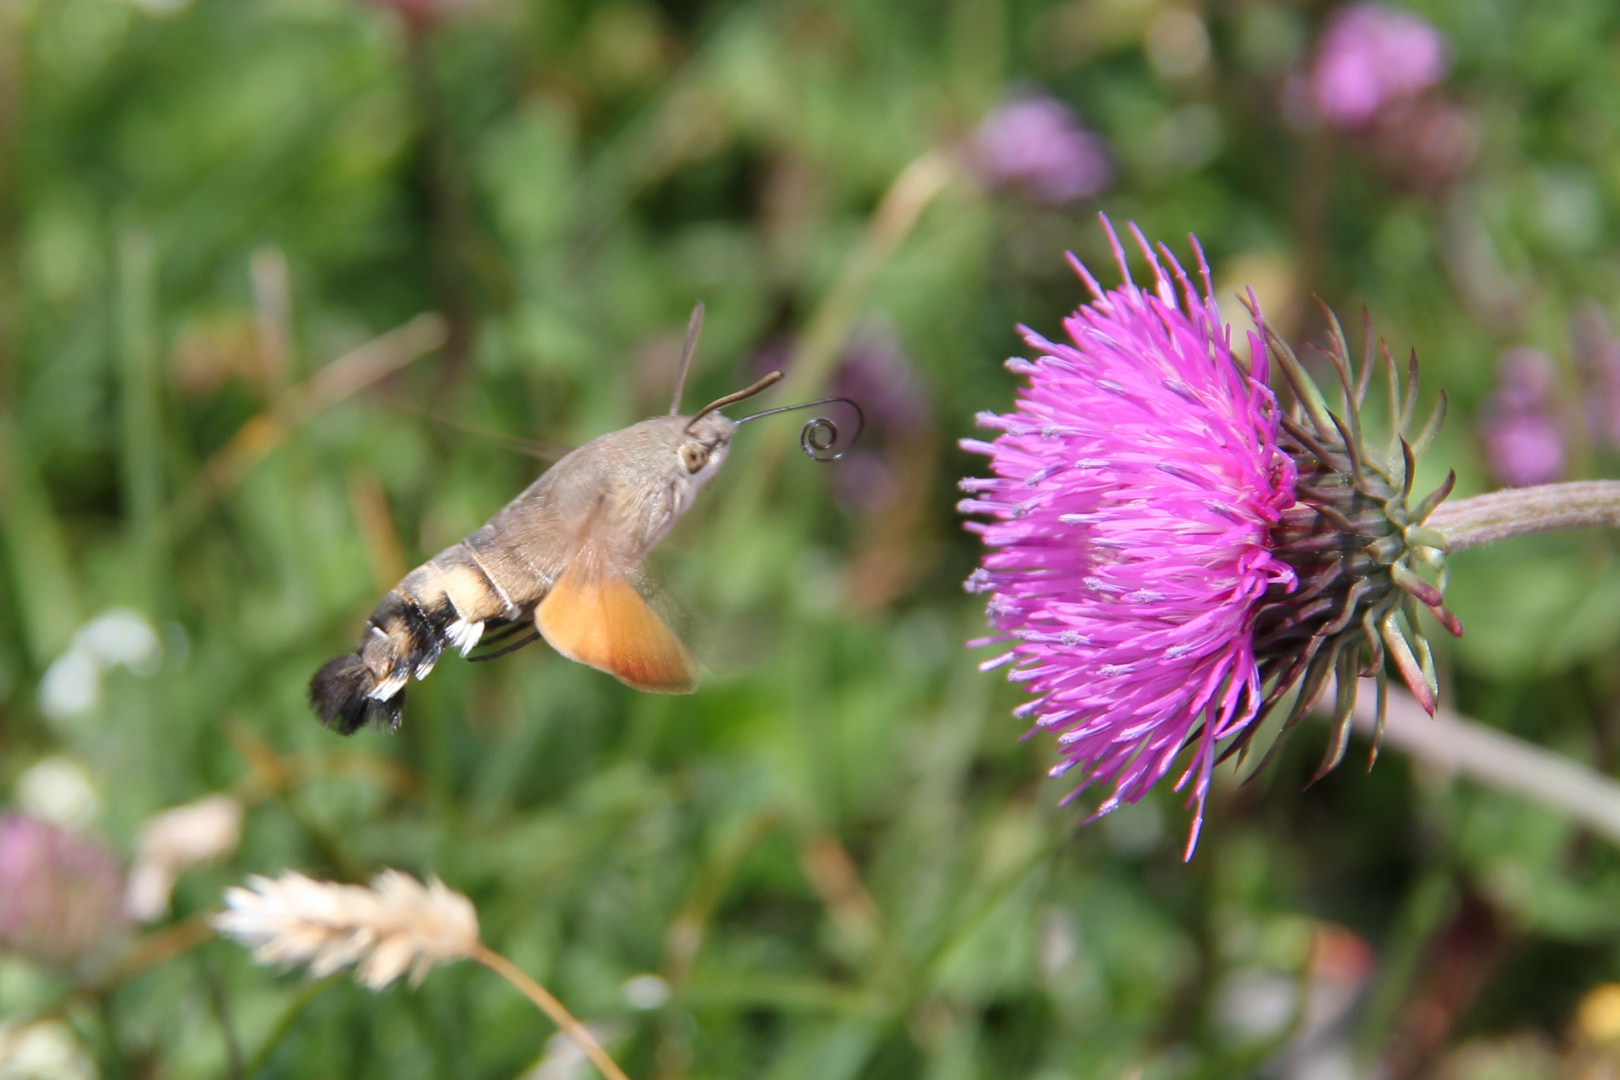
x=341 y=379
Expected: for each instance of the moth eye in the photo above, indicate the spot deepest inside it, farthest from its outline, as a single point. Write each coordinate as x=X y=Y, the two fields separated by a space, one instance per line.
x=694 y=456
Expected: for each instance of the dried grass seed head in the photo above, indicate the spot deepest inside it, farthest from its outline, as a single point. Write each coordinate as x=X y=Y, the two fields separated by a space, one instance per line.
x=397 y=925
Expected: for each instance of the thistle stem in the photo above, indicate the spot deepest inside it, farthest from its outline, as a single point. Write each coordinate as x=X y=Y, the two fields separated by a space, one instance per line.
x=553 y=1008
x=1501 y=515
x=1456 y=744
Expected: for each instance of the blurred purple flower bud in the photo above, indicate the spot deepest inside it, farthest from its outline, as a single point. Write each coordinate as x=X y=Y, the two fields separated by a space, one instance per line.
x=1035 y=143
x=1426 y=142
x=1525 y=380
x=775 y=355
x=876 y=372
x=1523 y=435
x=61 y=895
x=1525 y=449
x=1370 y=55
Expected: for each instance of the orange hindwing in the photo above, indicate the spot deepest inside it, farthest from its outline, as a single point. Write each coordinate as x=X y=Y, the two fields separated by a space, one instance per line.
x=604 y=622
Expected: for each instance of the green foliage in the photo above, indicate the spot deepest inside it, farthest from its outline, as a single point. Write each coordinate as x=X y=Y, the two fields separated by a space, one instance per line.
x=837 y=854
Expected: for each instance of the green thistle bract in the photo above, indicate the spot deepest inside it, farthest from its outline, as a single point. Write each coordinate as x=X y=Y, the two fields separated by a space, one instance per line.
x=1355 y=544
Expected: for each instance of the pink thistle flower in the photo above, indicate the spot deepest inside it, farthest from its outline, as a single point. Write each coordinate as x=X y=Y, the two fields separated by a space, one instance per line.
x=1371 y=55
x=1136 y=484
x=1172 y=553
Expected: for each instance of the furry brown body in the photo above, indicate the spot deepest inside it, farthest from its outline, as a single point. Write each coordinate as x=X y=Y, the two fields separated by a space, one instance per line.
x=563 y=554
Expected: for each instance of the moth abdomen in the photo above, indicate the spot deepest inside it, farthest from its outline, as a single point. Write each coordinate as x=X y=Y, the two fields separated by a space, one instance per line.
x=444 y=603
x=402 y=638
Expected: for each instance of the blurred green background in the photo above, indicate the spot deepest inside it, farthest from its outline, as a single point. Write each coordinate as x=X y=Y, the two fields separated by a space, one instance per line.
x=837 y=858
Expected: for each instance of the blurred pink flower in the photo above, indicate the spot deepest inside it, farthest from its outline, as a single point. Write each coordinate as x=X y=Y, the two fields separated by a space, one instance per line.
x=1035 y=144
x=61 y=895
x=420 y=15
x=1136 y=484
x=1523 y=434
x=1370 y=56
x=1525 y=449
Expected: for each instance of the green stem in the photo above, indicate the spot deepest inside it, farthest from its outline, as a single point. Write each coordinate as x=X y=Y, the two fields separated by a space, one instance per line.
x=1454 y=744
x=910 y=193
x=1502 y=515
x=1426 y=906
x=13 y=21
x=140 y=395
x=35 y=549
x=816 y=356
x=450 y=235
x=141 y=386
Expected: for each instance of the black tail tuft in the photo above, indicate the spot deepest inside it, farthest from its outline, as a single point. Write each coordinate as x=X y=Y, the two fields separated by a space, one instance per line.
x=340 y=695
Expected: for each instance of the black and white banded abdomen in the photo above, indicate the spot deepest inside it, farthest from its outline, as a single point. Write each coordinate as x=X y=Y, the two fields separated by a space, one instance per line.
x=446 y=603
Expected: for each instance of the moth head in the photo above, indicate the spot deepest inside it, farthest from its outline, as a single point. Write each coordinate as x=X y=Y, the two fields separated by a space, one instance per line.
x=700 y=446
x=702 y=439
x=699 y=442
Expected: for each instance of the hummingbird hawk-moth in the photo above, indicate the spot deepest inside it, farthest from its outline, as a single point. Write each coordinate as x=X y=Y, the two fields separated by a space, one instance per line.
x=563 y=557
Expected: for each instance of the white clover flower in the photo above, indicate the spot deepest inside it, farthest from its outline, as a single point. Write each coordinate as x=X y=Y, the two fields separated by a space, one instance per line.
x=71 y=685
x=43 y=1050
x=645 y=992
x=118 y=637
x=121 y=636
x=59 y=789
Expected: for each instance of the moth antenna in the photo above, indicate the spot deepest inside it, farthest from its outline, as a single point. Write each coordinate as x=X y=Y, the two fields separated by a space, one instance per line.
x=731 y=399
x=694 y=326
